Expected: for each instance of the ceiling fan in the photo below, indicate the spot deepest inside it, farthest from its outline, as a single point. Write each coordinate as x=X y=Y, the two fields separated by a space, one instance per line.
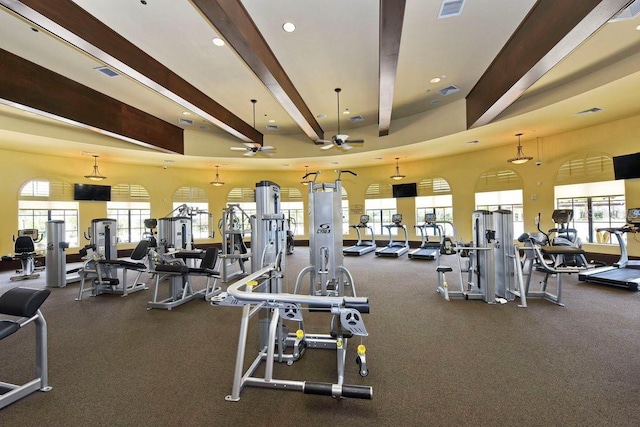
x=339 y=140
x=253 y=148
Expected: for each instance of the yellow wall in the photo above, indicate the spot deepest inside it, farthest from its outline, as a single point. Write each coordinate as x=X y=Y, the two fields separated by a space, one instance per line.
x=462 y=172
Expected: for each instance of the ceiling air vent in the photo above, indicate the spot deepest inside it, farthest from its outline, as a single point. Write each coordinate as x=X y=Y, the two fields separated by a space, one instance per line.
x=107 y=71
x=589 y=111
x=185 y=122
x=272 y=127
x=450 y=8
x=356 y=119
x=448 y=90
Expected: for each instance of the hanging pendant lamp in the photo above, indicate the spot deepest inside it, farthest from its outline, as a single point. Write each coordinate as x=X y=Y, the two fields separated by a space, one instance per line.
x=397 y=175
x=95 y=175
x=216 y=182
x=520 y=157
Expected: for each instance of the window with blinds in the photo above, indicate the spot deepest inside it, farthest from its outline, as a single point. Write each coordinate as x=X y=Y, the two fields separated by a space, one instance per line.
x=589 y=167
x=190 y=194
x=379 y=191
x=498 y=179
x=44 y=189
x=129 y=193
x=430 y=186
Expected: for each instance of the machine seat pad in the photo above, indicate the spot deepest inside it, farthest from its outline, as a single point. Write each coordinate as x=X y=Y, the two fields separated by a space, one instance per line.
x=124 y=264
x=561 y=250
x=7 y=327
x=22 y=302
x=172 y=268
x=443 y=269
x=204 y=271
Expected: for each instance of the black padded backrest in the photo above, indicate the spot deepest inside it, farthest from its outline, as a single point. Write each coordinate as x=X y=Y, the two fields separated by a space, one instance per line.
x=210 y=258
x=22 y=302
x=24 y=244
x=140 y=250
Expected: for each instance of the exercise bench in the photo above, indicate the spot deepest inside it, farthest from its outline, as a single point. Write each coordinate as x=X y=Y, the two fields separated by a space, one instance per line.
x=25 y=303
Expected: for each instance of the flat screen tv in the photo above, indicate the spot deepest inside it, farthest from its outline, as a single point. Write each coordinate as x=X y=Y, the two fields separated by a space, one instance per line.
x=627 y=166
x=405 y=190
x=100 y=193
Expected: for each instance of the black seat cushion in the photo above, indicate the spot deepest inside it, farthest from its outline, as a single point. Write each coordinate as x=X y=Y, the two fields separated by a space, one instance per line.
x=23 y=302
x=172 y=268
x=7 y=327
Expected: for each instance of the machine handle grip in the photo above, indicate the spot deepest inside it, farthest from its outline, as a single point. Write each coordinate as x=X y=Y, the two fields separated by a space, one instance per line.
x=328 y=389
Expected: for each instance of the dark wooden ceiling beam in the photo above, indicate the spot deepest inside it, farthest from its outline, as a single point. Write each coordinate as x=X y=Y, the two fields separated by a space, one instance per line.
x=391 y=19
x=77 y=27
x=24 y=84
x=550 y=32
x=232 y=21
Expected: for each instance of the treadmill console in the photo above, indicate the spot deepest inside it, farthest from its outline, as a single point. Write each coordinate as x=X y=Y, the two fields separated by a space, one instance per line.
x=430 y=218
x=364 y=219
x=562 y=216
x=633 y=216
x=396 y=219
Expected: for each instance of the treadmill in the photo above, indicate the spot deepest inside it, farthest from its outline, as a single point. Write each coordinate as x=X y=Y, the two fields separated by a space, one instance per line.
x=624 y=273
x=428 y=249
x=395 y=249
x=362 y=246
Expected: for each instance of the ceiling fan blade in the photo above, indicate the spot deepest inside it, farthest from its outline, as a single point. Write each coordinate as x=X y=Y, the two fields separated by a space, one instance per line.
x=238 y=148
x=346 y=146
x=326 y=147
x=249 y=153
x=324 y=141
x=357 y=141
x=268 y=147
x=341 y=137
x=250 y=144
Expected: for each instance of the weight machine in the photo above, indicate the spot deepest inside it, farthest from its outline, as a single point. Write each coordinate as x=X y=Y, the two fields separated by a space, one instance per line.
x=234 y=250
x=492 y=264
x=261 y=294
x=327 y=275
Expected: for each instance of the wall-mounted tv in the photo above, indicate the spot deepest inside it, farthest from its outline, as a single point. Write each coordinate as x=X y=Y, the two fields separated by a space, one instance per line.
x=100 y=193
x=405 y=190
x=627 y=166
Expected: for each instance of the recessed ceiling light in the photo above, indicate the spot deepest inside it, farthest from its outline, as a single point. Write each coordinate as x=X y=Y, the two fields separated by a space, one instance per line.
x=435 y=80
x=346 y=111
x=638 y=28
x=272 y=121
x=289 y=27
x=218 y=41
x=321 y=116
x=186 y=113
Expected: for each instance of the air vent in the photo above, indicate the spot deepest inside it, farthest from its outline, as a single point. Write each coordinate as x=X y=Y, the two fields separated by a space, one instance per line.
x=448 y=90
x=356 y=119
x=107 y=71
x=589 y=111
x=628 y=13
x=450 y=8
x=272 y=127
x=185 y=122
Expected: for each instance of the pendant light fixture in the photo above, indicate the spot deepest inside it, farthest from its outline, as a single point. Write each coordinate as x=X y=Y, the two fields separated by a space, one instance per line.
x=305 y=181
x=397 y=175
x=520 y=157
x=216 y=182
x=95 y=175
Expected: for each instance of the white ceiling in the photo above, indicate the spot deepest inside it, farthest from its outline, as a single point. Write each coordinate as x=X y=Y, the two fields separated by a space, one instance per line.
x=335 y=45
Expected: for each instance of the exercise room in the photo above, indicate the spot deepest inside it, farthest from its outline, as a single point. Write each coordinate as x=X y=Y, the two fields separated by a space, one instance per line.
x=380 y=213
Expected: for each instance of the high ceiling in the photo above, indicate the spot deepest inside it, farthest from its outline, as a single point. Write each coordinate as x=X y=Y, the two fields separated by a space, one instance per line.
x=168 y=66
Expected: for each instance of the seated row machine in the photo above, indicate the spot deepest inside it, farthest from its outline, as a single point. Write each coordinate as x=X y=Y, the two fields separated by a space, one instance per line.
x=25 y=303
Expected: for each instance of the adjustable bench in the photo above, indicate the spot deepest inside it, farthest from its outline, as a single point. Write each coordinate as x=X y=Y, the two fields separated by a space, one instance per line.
x=25 y=303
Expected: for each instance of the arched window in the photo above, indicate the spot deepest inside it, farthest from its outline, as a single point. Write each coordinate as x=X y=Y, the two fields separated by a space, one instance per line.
x=43 y=200
x=586 y=185
x=434 y=196
x=380 y=205
x=130 y=205
x=501 y=189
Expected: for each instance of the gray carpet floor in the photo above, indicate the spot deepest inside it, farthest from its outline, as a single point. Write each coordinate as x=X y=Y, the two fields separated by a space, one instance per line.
x=431 y=362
